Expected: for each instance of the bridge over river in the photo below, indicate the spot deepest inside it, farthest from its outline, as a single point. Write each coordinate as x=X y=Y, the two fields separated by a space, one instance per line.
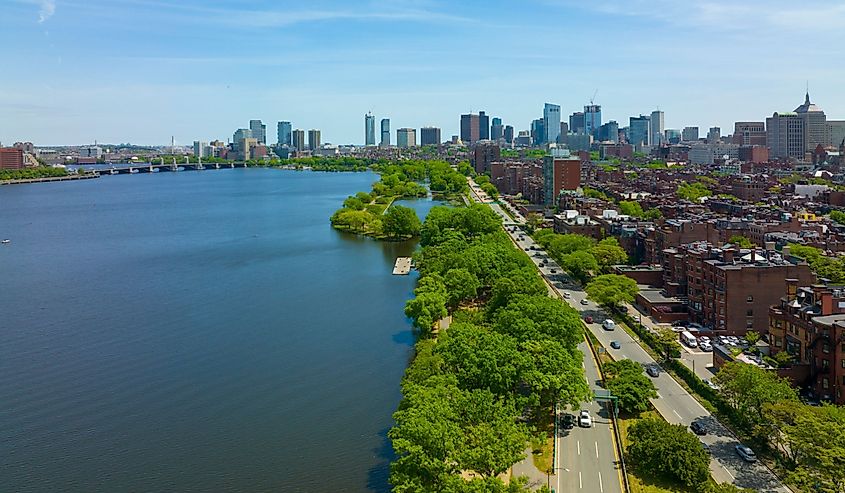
x=160 y=168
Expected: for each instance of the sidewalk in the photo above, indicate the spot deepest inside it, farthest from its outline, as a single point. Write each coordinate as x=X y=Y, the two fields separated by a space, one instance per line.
x=525 y=467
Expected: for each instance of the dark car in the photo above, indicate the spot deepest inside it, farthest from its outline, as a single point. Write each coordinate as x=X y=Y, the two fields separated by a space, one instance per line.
x=588 y=319
x=615 y=344
x=652 y=370
x=698 y=428
x=567 y=421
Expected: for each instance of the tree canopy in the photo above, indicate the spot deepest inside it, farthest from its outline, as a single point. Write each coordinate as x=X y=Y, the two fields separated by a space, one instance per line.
x=668 y=451
x=612 y=289
x=625 y=380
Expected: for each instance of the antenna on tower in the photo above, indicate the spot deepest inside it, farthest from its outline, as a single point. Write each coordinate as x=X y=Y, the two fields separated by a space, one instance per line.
x=594 y=96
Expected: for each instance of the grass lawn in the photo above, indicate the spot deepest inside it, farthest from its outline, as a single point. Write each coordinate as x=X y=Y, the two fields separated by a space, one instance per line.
x=542 y=454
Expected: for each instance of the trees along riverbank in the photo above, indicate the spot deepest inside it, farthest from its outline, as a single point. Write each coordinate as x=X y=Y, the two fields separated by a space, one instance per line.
x=31 y=173
x=475 y=394
x=373 y=215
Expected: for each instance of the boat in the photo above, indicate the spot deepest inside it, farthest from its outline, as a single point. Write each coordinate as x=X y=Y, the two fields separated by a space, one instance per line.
x=6 y=241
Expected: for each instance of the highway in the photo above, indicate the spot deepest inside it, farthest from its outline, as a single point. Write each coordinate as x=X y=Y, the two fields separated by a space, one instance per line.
x=674 y=403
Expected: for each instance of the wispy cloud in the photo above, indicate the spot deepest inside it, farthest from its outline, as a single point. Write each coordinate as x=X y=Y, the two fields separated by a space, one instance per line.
x=47 y=9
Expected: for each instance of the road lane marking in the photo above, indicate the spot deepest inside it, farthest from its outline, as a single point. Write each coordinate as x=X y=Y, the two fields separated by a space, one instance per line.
x=579 y=447
x=729 y=473
x=676 y=414
x=580 y=484
x=597 y=450
x=601 y=485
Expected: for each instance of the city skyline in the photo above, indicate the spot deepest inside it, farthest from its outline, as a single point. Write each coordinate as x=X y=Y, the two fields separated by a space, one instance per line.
x=172 y=73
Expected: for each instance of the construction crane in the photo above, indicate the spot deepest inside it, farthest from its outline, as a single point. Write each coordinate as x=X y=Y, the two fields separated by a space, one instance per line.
x=594 y=96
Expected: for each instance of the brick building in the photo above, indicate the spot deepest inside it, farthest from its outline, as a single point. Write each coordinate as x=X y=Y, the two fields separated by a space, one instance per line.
x=11 y=158
x=809 y=324
x=484 y=154
x=728 y=290
x=561 y=171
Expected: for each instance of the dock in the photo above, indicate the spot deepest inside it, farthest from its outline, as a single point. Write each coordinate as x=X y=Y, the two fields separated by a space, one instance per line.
x=402 y=266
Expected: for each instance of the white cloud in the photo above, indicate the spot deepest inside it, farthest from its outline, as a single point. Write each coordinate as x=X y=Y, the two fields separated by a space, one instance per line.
x=47 y=9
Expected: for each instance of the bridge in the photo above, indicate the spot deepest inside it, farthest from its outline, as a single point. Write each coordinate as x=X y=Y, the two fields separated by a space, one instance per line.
x=160 y=168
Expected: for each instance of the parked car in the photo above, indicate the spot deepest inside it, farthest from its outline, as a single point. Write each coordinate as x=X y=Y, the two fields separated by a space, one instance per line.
x=567 y=294
x=554 y=271
x=698 y=428
x=608 y=324
x=615 y=344
x=567 y=421
x=652 y=370
x=588 y=319
x=584 y=419
x=746 y=453
x=706 y=347
x=585 y=302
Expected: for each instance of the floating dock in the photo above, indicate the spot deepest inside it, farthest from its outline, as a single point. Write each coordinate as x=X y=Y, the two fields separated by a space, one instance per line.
x=402 y=266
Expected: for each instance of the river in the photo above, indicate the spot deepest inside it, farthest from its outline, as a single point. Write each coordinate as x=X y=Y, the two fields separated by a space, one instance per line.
x=197 y=331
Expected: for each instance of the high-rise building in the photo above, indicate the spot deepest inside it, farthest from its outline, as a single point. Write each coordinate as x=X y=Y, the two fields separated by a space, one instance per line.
x=609 y=132
x=485 y=152
x=238 y=138
x=298 y=137
x=714 y=135
x=496 y=129
x=430 y=136
x=385 y=132
x=749 y=133
x=785 y=135
x=592 y=119
x=470 y=132
x=406 y=137
x=639 y=130
x=11 y=158
x=259 y=131
x=483 y=126
x=199 y=149
x=313 y=139
x=561 y=171
x=672 y=136
x=551 y=122
x=656 y=128
x=837 y=132
x=816 y=131
x=689 y=134
x=369 y=129
x=564 y=128
x=283 y=133
x=508 y=134
x=538 y=132
x=577 y=122
x=523 y=138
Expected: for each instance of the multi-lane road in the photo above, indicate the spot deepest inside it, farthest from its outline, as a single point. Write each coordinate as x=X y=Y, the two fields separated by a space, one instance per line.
x=580 y=472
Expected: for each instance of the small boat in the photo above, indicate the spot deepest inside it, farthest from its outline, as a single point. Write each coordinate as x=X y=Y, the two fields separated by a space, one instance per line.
x=6 y=242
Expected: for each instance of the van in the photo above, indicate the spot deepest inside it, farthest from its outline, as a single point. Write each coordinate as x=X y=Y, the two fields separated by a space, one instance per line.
x=608 y=324
x=688 y=339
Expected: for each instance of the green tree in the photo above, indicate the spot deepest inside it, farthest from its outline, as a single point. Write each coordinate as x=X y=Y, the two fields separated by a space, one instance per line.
x=519 y=282
x=580 y=264
x=669 y=451
x=609 y=253
x=740 y=241
x=492 y=439
x=353 y=203
x=490 y=190
x=554 y=374
x=837 y=216
x=625 y=380
x=820 y=434
x=425 y=309
x=631 y=208
x=561 y=245
x=535 y=317
x=652 y=214
x=612 y=289
x=400 y=222
x=667 y=341
x=748 y=388
x=461 y=285
x=533 y=221
x=693 y=191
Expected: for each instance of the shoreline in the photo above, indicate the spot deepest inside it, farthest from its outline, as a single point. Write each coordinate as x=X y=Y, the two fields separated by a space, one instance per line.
x=86 y=176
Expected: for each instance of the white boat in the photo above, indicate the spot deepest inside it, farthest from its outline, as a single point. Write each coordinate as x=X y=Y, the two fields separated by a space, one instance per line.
x=6 y=242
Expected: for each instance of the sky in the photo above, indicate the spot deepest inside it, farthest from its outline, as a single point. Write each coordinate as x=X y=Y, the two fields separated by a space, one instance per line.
x=140 y=71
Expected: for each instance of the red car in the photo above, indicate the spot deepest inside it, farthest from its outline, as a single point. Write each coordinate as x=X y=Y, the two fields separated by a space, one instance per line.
x=588 y=319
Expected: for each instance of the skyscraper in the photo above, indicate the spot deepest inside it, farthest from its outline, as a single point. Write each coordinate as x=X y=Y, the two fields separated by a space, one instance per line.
x=750 y=133
x=470 y=132
x=551 y=122
x=638 y=130
x=259 y=131
x=592 y=119
x=483 y=155
x=714 y=135
x=283 y=135
x=609 y=132
x=656 y=128
x=496 y=129
x=406 y=137
x=313 y=139
x=672 y=136
x=689 y=134
x=385 y=132
x=538 y=132
x=561 y=171
x=369 y=129
x=238 y=138
x=508 y=134
x=483 y=126
x=577 y=122
x=430 y=136
x=199 y=148
x=298 y=137
x=816 y=130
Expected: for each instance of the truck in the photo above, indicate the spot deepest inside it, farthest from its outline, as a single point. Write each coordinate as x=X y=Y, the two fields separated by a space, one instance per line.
x=688 y=339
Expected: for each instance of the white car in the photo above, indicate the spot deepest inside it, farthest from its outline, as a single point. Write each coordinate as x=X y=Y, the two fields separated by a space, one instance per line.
x=584 y=419
x=567 y=294
x=609 y=324
x=706 y=347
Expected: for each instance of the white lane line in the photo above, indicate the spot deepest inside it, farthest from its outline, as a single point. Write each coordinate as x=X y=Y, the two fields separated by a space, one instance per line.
x=676 y=414
x=579 y=447
x=597 y=450
x=601 y=485
x=729 y=473
x=580 y=484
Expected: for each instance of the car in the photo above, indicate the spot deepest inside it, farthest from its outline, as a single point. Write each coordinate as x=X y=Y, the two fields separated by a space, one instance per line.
x=567 y=421
x=554 y=271
x=746 y=453
x=584 y=419
x=608 y=324
x=703 y=339
x=698 y=428
x=615 y=344
x=526 y=249
x=584 y=302
x=678 y=329
x=652 y=370
x=588 y=319
x=567 y=294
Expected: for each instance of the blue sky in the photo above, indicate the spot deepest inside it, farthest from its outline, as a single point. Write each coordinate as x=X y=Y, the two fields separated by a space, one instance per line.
x=140 y=71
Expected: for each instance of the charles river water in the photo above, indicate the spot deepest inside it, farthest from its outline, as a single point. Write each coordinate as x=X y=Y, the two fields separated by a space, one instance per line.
x=197 y=331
